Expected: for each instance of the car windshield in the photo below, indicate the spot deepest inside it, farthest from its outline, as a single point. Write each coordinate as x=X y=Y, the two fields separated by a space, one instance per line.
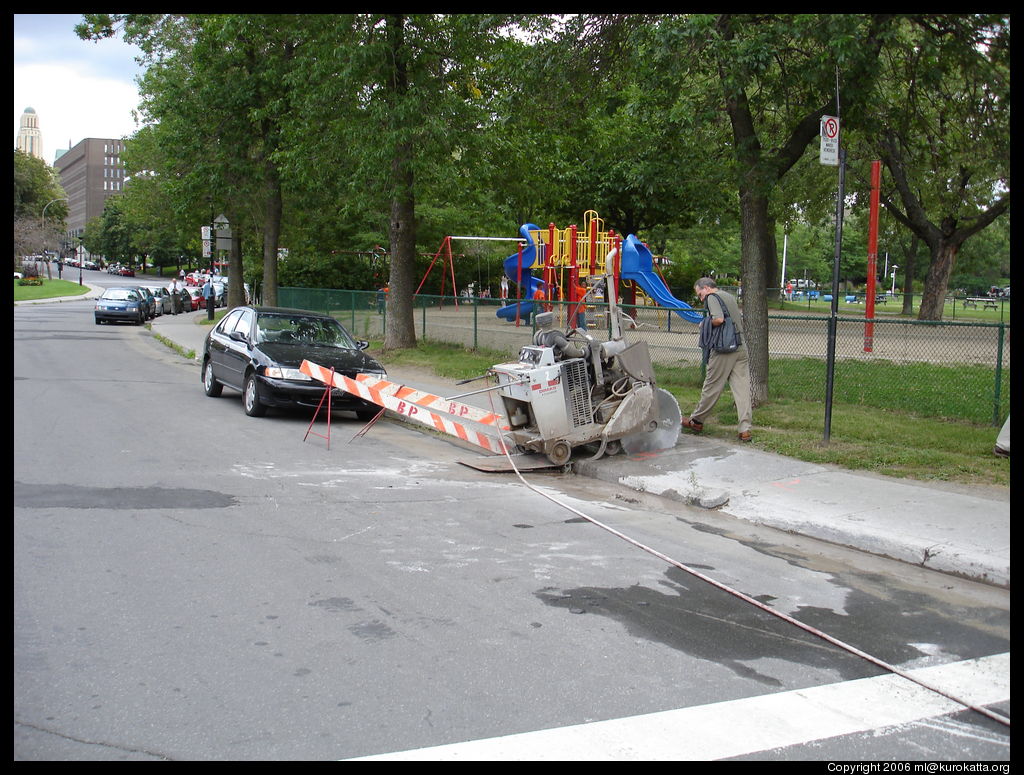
x=120 y=294
x=299 y=329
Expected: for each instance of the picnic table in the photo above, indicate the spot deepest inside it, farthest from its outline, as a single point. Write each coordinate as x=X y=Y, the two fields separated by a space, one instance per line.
x=986 y=302
x=860 y=298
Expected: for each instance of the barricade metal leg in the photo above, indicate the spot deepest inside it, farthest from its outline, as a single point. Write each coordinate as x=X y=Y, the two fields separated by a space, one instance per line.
x=327 y=395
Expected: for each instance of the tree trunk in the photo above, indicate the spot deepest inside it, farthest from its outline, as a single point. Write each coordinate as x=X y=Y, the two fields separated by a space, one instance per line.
x=236 y=291
x=757 y=244
x=909 y=262
x=400 y=326
x=271 y=236
x=943 y=255
x=400 y=329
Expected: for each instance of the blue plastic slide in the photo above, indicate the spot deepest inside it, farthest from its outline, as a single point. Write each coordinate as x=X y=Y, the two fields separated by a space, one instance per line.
x=638 y=266
x=530 y=285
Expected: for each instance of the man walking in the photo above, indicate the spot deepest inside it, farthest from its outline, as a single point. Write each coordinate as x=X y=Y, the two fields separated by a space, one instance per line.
x=722 y=367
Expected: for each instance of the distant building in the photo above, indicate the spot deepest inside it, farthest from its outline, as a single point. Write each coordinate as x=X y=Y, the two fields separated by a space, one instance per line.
x=90 y=173
x=30 y=139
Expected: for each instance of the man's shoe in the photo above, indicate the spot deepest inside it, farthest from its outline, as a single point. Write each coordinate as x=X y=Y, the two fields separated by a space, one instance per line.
x=693 y=425
x=745 y=436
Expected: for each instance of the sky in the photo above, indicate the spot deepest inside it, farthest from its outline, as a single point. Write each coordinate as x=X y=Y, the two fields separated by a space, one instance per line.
x=78 y=88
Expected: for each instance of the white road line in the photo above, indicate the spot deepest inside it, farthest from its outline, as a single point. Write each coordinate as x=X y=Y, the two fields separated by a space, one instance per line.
x=746 y=726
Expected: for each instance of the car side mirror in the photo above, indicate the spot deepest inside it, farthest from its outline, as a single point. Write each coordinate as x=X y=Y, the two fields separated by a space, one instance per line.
x=362 y=345
x=238 y=336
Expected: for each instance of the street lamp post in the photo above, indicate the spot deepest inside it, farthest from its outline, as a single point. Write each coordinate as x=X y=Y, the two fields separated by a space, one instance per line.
x=42 y=225
x=894 y=268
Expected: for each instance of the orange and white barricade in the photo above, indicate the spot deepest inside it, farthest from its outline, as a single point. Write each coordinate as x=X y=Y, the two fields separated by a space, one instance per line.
x=444 y=415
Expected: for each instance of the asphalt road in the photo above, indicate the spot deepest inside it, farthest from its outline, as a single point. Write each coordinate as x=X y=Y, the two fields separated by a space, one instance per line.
x=194 y=584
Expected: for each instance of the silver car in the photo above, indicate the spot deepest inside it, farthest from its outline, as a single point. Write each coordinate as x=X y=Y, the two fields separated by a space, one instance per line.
x=163 y=303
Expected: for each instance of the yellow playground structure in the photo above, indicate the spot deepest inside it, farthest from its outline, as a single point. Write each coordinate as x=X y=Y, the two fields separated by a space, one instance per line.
x=554 y=265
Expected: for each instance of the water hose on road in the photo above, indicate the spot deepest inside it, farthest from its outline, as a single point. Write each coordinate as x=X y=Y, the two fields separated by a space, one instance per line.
x=998 y=717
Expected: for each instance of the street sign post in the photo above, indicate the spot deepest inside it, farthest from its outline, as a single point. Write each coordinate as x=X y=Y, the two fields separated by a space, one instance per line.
x=829 y=153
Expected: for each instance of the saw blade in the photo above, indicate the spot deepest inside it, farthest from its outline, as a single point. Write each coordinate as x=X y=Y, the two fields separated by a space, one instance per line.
x=665 y=431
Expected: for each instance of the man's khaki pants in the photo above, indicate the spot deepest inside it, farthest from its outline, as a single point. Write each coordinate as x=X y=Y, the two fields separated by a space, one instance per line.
x=731 y=368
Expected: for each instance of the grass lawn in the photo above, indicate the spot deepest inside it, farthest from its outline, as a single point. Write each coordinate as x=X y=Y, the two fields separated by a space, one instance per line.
x=48 y=290
x=953 y=309
x=918 y=440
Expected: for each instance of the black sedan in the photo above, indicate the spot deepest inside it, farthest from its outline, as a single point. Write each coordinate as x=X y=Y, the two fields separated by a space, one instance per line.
x=258 y=350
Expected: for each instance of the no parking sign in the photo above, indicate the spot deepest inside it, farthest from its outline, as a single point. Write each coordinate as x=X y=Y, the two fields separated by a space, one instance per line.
x=829 y=153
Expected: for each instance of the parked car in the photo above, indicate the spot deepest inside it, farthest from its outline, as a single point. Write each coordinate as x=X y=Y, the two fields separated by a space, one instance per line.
x=258 y=351
x=120 y=304
x=195 y=299
x=164 y=304
x=149 y=299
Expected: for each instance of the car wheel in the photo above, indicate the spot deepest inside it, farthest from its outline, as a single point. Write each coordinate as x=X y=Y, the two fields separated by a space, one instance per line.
x=251 y=398
x=365 y=415
x=142 y=319
x=212 y=387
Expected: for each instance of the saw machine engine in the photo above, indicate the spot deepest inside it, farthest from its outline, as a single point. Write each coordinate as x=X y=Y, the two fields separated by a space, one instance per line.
x=566 y=391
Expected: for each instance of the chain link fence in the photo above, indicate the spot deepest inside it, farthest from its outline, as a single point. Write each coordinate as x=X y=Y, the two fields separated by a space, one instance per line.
x=953 y=369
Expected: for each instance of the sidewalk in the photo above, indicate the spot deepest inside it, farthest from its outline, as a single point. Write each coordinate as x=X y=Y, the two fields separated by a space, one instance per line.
x=949 y=528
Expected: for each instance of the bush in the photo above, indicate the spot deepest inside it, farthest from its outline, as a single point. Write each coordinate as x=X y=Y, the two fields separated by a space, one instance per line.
x=30 y=281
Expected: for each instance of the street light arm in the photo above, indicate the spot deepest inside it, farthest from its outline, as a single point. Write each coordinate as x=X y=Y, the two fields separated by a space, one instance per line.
x=42 y=217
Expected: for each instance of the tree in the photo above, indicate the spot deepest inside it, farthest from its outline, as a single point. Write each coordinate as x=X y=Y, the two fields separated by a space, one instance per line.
x=36 y=192
x=397 y=106
x=109 y=234
x=215 y=92
x=778 y=75
x=36 y=186
x=944 y=135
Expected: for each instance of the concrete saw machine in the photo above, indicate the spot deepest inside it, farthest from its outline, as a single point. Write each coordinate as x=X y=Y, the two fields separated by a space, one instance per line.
x=568 y=390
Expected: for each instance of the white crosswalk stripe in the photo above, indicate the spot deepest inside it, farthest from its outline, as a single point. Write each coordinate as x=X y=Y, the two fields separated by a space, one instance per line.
x=746 y=726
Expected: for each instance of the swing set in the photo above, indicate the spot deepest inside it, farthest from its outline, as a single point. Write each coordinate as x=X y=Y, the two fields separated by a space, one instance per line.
x=444 y=253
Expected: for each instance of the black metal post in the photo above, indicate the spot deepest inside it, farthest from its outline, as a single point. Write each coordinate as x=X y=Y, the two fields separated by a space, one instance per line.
x=834 y=317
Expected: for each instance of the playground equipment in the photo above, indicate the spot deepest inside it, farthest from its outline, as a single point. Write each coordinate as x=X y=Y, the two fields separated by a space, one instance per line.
x=638 y=266
x=566 y=258
x=568 y=390
x=519 y=269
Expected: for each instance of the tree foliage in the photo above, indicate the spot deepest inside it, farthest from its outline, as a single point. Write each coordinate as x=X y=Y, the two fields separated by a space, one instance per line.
x=359 y=140
x=944 y=135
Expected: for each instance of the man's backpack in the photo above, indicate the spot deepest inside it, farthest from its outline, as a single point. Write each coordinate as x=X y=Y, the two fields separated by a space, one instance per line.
x=725 y=338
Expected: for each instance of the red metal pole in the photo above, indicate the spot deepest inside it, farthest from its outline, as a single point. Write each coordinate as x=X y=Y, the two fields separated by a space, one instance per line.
x=869 y=302
x=519 y=282
x=451 y=267
x=427 y=273
x=549 y=257
x=616 y=268
x=593 y=247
